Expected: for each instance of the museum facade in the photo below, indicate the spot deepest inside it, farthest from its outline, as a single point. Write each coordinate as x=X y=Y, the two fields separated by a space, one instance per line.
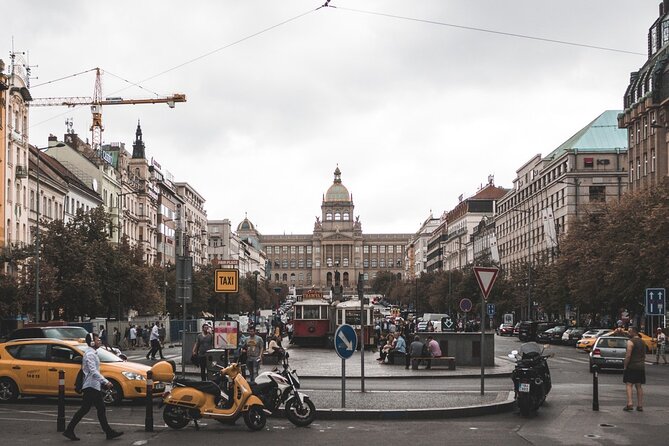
x=335 y=253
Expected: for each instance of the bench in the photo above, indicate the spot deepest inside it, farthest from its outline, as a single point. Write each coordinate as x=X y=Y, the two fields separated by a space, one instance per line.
x=436 y=360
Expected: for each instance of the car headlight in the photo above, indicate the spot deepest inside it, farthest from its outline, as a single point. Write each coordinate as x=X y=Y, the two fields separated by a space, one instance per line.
x=133 y=376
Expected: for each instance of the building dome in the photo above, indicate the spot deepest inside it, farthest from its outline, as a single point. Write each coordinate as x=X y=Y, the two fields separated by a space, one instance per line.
x=337 y=192
x=246 y=225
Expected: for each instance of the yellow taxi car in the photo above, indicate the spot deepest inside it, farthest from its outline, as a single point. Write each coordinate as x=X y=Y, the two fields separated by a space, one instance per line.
x=587 y=343
x=30 y=367
x=590 y=337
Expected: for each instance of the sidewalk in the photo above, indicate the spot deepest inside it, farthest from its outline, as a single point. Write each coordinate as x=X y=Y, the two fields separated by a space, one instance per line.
x=448 y=402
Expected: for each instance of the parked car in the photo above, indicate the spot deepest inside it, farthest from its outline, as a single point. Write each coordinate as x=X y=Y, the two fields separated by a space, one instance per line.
x=30 y=367
x=516 y=329
x=608 y=352
x=572 y=335
x=505 y=330
x=529 y=329
x=63 y=332
x=589 y=337
x=556 y=334
x=544 y=337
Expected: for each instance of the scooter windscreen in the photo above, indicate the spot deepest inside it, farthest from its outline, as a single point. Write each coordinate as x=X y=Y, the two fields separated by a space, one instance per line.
x=531 y=347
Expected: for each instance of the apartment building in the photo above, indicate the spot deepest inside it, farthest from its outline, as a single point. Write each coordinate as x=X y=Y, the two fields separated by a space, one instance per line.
x=194 y=223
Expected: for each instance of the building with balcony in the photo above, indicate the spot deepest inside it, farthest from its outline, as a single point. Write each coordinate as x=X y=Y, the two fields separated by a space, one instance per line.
x=194 y=223
x=646 y=114
x=416 y=264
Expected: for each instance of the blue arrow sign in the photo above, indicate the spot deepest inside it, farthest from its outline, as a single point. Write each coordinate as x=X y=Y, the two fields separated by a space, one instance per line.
x=346 y=340
x=490 y=309
x=655 y=301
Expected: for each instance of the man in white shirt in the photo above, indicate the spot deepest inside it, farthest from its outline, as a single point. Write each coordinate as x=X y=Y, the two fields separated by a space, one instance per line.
x=154 y=339
x=133 y=337
x=93 y=381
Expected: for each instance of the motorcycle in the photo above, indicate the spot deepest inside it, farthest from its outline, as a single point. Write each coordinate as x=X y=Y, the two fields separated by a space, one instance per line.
x=277 y=388
x=531 y=377
x=191 y=400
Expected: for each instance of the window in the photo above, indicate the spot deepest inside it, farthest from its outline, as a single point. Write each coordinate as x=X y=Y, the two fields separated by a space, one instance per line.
x=337 y=216
x=373 y=263
x=345 y=262
x=308 y=263
x=588 y=163
x=638 y=168
x=60 y=353
x=373 y=249
x=365 y=263
x=631 y=172
x=398 y=249
x=292 y=249
x=310 y=312
x=597 y=194
x=292 y=263
x=382 y=249
x=300 y=249
x=347 y=216
x=329 y=261
x=645 y=164
x=308 y=249
x=285 y=249
x=365 y=249
x=652 y=158
x=284 y=277
x=33 y=352
x=285 y=263
x=300 y=263
x=390 y=249
x=382 y=263
x=328 y=216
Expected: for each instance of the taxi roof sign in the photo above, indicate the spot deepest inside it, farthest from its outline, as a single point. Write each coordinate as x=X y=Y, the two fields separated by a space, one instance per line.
x=226 y=281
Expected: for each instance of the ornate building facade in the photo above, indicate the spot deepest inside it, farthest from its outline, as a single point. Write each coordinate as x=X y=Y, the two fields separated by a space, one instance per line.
x=332 y=256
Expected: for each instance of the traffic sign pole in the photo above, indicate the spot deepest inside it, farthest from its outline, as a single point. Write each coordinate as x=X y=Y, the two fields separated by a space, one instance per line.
x=343 y=383
x=486 y=278
x=482 y=344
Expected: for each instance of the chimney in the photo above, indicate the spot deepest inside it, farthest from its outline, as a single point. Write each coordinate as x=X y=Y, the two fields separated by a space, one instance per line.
x=664 y=7
x=52 y=138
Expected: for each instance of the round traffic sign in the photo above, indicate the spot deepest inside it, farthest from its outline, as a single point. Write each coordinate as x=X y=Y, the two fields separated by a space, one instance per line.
x=466 y=305
x=346 y=341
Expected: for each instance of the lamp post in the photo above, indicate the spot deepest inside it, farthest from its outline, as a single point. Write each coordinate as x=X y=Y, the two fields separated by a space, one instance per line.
x=37 y=234
x=255 y=295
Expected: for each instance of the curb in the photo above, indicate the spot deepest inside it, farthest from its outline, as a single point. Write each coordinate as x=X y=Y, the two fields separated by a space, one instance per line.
x=417 y=414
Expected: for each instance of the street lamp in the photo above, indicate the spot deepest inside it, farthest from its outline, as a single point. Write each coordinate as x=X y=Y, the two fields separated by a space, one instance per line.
x=37 y=238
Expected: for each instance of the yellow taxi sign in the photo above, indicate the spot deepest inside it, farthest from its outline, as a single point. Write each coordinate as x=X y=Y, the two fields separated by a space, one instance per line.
x=226 y=281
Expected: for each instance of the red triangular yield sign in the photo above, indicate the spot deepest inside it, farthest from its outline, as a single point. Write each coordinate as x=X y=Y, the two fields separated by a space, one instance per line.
x=486 y=278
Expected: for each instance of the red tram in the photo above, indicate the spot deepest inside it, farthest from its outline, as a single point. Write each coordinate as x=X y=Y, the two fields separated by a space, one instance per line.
x=316 y=319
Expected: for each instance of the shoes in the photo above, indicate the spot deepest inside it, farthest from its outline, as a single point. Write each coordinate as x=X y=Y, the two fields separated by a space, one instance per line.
x=71 y=436
x=628 y=408
x=147 y=356
x=153 y=359
x=639 y=409
x=114 y=434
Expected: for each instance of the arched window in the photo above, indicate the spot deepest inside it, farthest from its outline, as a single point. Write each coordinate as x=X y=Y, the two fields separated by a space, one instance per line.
x=292 y=278
x=345 y=279
x=382 y=263
x=345 y=262
x=329 y=261
x=347 y=216
x=276 y=277
x=337 y=216
x=328 y=216
x=285 y=277
x=328 y=279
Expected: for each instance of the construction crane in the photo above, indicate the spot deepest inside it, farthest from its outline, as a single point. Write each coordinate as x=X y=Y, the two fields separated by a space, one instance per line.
x=96 y=102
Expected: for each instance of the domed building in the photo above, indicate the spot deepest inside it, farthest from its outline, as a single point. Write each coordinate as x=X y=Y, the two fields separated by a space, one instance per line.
x=335 y=253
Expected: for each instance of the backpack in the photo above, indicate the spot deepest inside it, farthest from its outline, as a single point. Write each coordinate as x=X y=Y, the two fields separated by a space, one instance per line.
x=79 y=382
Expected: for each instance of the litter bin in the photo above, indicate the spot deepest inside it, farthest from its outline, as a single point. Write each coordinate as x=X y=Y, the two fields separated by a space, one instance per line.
x=189 y=341
x=216 y=355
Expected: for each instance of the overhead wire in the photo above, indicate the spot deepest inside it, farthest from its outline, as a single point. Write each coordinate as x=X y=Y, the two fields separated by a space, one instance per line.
x=490 y=31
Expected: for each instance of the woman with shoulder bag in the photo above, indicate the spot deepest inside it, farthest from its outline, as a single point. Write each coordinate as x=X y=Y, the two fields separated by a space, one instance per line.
x=205 y=341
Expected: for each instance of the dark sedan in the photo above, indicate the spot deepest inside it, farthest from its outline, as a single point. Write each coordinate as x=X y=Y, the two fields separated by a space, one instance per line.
x=505 y=330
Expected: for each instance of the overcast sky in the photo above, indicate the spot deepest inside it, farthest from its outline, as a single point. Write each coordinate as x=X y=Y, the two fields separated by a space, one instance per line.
x=414 y=113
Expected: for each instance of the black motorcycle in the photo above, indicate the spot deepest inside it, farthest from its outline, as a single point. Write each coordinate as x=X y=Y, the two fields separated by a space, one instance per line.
x=531 y=377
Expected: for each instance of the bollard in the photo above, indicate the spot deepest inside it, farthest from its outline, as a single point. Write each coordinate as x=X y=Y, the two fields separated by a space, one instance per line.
x=595 y=387
x=60 y=421
x=148 y=421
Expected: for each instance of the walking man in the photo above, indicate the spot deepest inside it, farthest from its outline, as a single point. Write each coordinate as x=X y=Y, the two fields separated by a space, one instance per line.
x=92 y=394
x=154 y=339
x=661 y=346
x=252 y=345
x=205 y=341
x=634 y=374
x=133 y=337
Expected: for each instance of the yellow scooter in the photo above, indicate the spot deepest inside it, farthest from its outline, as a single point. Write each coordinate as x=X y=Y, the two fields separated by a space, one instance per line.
x=191 y=400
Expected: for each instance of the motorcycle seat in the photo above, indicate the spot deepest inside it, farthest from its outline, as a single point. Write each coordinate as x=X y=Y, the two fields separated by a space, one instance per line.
x=261 y=388
x=203 y=386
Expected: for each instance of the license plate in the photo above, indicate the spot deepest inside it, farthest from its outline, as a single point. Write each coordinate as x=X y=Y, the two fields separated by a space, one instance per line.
x=159 y=386
x=524 y=387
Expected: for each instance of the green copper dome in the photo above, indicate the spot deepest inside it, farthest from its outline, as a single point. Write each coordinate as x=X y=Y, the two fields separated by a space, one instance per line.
x=337 y=192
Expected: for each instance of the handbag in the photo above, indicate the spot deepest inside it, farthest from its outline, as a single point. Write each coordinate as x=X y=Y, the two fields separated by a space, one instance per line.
x=79 y=382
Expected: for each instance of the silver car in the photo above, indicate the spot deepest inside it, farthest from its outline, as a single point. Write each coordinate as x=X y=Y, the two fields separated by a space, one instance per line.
x=609 y=352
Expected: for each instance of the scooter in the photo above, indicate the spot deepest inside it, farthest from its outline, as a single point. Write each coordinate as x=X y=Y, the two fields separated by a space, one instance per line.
x=192 y=400
x=531 y=377
x=277 y=388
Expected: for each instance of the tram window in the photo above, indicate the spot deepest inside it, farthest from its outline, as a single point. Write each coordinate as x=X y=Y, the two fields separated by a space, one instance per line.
x=311 y=312
x=339 y=318
x=353 y=317
x=298 y=312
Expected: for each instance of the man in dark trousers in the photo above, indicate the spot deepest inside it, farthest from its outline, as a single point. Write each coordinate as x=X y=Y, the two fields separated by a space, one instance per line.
x=92 y=394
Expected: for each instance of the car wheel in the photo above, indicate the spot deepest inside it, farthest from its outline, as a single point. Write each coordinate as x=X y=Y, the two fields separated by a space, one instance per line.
x=113 y=396
x=9 y=391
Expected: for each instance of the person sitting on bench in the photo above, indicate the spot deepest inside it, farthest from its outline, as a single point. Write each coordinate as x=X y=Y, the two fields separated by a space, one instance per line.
x=433 y=349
